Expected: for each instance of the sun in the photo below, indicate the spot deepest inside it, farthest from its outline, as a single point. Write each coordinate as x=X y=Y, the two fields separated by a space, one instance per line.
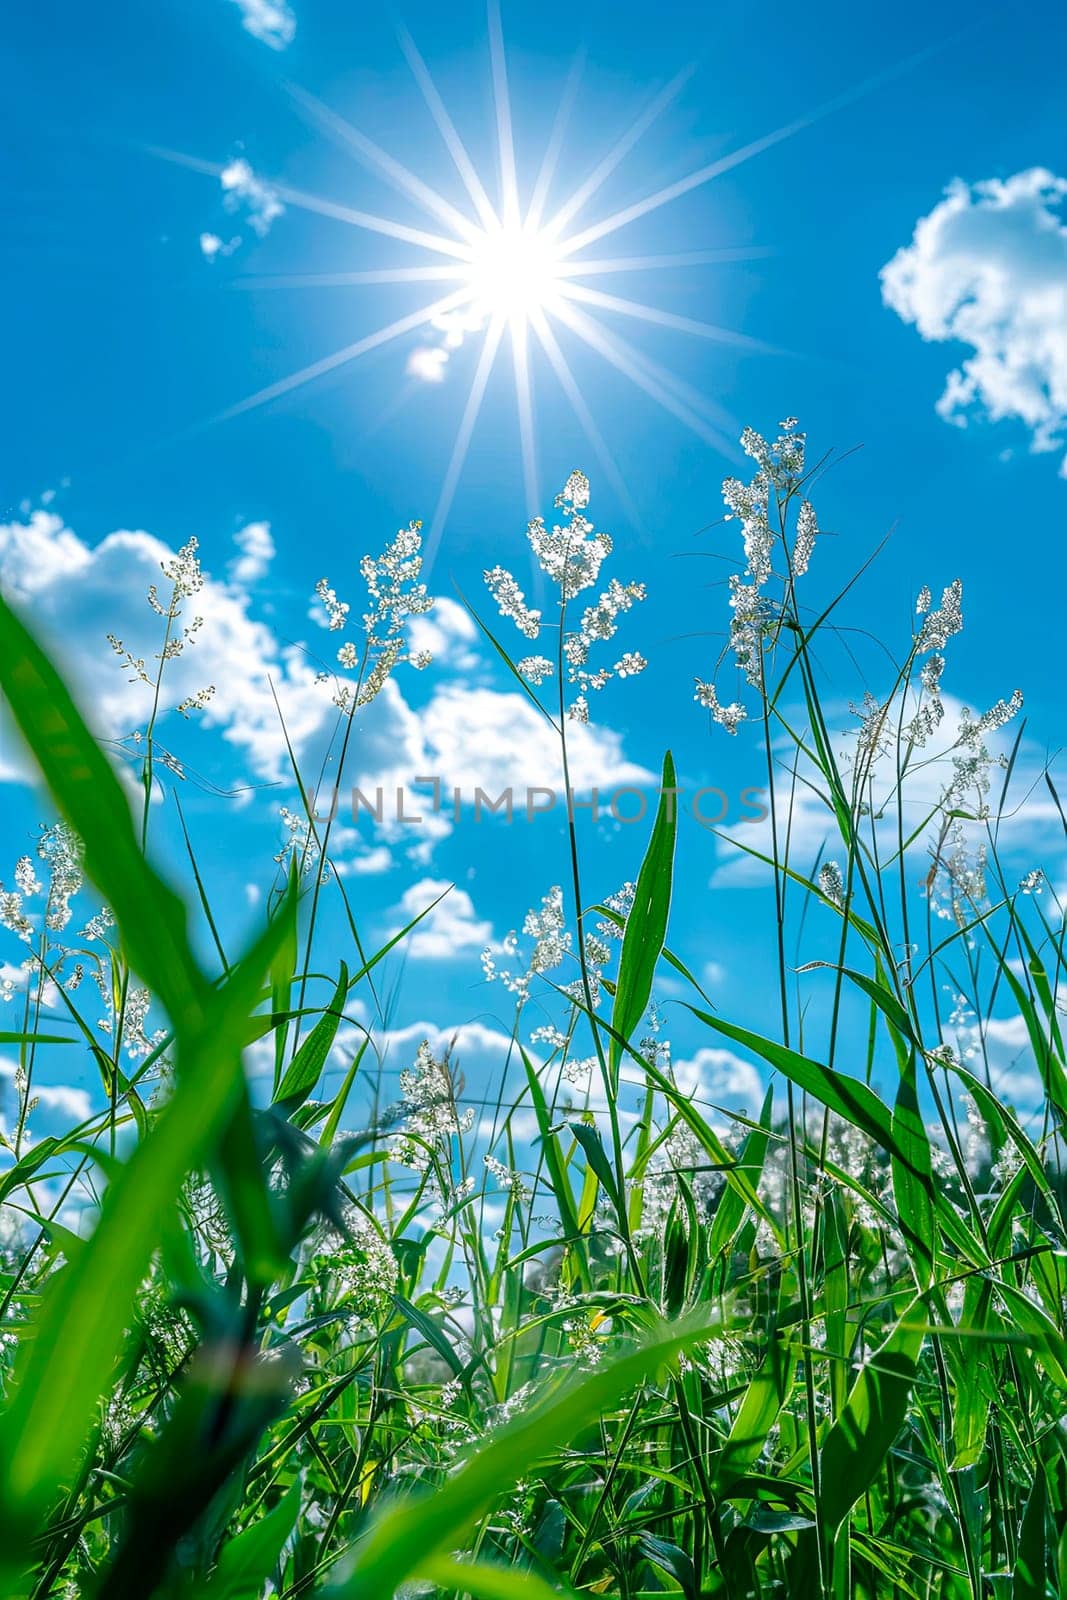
x=518 y=275
x=514 y=274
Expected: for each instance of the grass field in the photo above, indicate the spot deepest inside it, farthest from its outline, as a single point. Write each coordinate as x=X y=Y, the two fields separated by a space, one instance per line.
x=256 y=1348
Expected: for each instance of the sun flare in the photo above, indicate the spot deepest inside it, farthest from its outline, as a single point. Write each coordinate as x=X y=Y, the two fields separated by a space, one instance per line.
x=514 y=274
x=517 y=271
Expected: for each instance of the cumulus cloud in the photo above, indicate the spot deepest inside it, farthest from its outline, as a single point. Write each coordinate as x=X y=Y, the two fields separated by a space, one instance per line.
x=212 y=247
x=448 y=633
x=428 y=363
x=70 y=1104
x=450 y=930
x=256 y=545
x=1030 y=823
x=273 y=22
x=247 y=195
x=720 y=1077
x=77 y=593
x=988 y=268
x=469 y=737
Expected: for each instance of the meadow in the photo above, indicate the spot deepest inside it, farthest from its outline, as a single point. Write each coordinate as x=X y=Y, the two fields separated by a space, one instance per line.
x=287 y=1344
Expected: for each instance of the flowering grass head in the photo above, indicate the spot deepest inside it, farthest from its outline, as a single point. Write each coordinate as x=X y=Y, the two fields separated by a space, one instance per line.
x=570 y=554
x=395 y=594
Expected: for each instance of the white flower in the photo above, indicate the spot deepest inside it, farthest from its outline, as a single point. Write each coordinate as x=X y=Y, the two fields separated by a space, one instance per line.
x=729 y=717
x=364 y=1263
x=431 y=1115
x=336 y=610
x=60 y=848
x=807 y=528
x=26 y=878
x=396 y=594
x=552 y=941
x=535 y=669
x=940 y=625
x=511 y=602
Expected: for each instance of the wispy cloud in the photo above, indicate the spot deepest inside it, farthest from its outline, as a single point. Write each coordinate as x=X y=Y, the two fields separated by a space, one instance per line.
x=273 y=22
x=988 y=268
x=256 y=545
x=450 y=931
x=247 y=195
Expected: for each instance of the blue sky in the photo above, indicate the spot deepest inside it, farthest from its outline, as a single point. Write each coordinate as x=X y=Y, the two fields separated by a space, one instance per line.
x=128 y=339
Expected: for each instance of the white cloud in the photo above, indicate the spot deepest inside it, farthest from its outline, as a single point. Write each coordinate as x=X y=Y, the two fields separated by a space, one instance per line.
x=988 y=268
x=427 y=363
x=1030 y=822
x=257 y=552
x=212 y=246
x=448 y=633
x=480 y=737
x=77 y=593
x=273 y=22
x=72 y=1104
x=430 y=362
x=468 y=737
x=719 y=1076
x=450 y=930
x=379 y=858
x=253 y=197
x=478 y=1051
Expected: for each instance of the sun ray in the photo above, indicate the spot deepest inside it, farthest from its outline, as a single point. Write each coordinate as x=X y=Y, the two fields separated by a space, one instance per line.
x=373 y=156
x=665 y=319
x=569 y=384
x=680 y=258
x=351 y=352
x=490 y=345
x=336 y=280
x=715 y=169
x=371 y=223
x=622 y=147
x=447 y=129
x=326 y=208
x=597 y=338
x=509 y=187
x=514 y=272
x=549 y=161
x=697 y=401
x=520 y=355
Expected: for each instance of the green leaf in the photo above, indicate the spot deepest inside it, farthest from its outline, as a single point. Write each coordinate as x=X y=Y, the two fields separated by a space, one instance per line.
x=305 y=1069
x=488 y=1582
x=55 y=1397
x=670 y=1559
x=36 y=1038
x=434 y=1336
x=859 y=1105
x=646 y=925
x=410 y=1535
x=913 y=1183
x=766 y=1394
x=84 y=786
x=28 y=1166
x=248 y=1559
x=857 y=1444
x=1031 y=1558
x=597 y=1157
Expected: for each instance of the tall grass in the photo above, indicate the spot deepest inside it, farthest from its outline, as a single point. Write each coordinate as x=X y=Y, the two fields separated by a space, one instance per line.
x=816 y=1351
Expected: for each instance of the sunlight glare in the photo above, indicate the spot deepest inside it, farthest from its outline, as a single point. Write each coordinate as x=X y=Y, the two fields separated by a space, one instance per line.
x=513 y=273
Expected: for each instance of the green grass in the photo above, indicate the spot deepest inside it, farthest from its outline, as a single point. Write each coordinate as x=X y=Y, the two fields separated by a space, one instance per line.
x=819 y=1351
